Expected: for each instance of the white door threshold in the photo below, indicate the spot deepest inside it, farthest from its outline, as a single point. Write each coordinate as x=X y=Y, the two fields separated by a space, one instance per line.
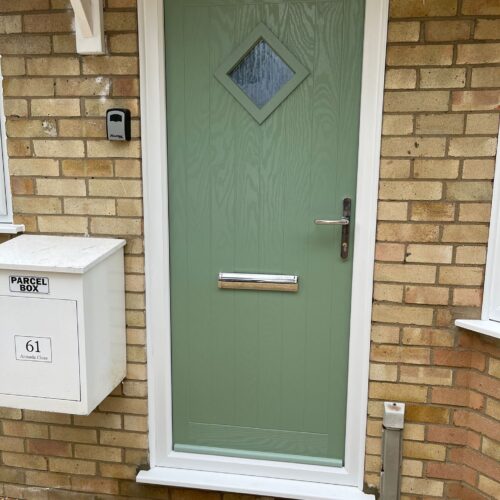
x=237 y=483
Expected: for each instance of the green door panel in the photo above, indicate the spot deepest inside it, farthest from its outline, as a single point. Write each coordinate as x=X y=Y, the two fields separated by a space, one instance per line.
x=261 y=374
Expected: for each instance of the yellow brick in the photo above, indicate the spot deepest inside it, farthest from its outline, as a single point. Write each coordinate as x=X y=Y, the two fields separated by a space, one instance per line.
x=424 y=451
x=28 y=87
x=426 y=486
x=464 y=233
x=481 y=7
x=412 y=468
x=469 y=297
x=70 y=466
x=85 y=86
x=123 y=42
x=61 y=187
x=120 y=21
x=78 y=127
x=426 y=375
x=413 y=432
x=43 y=66
x=87 y=168
x=402 y=314
x=398 y=392
x=475 y=100
x=383 y=372
x=436 y=169
x=73 y=434
x=388 y=210
x=493 y=408
x=469 y=191
x=122 y=188
x=110 y=65
x=483 y=53
x=25 y=430
x=101 y=453
x=432 y=211
x=443 y=31
x=55 y=107
x=485 y=77
x=487 y=29
x=59 y=148
x=124 y=439
x=410 y=190
x=128 y=168
x=115 y=226
x=420 y=55
x=468 y=276
x=405 y=273
x=437 y=124
x=471 y=255
x=34 y=166
x=394 y=169
x=403 y=32
x=15 y=107
x=473 y=146
x=110 y=149
x=118 y=471
x=397 y=125
x=48 y=23
x=31 y=128
x=474 y=212
x=414 y=146
x=63 y=224
x=426 y=100
x=478 y=169
x=482 y=123
x=401 y=79
x=494 y=368
x=64 y=44
x=418 y=233
x=388 y=293
x=10 y=24
x=24 y=44
x=98 y=107
x=129 y=208
x=24 y=461
x=427 y=295
x=427 y=337
x=18 y=147
x=89 y=206
x=418 y=8
x=384 y=334
x=13 y=66
x=37 y=205
x=429 y=254
x=488 y=486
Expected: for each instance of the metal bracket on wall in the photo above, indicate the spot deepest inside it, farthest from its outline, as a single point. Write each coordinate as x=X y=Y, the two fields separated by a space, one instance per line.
x=89 y=26
x=392 y=448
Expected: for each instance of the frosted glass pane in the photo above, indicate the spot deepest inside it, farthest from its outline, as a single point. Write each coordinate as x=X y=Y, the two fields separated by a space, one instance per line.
x=261 y=74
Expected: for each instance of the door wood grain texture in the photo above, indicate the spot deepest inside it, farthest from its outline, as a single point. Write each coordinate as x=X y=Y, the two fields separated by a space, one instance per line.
x=261 y=374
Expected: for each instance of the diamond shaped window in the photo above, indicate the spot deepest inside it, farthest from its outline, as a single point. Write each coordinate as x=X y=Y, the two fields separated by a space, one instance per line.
x=261 y=73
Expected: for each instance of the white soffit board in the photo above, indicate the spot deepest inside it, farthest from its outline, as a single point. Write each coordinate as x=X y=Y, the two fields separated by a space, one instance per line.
x=89 y=26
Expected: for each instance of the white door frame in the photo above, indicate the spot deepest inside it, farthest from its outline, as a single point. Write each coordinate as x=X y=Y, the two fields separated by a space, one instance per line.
x=163 y=459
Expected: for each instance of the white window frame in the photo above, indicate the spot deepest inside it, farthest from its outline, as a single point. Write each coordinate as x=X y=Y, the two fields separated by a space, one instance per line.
x=489 y=324
x=6 y=214
x=279 y=479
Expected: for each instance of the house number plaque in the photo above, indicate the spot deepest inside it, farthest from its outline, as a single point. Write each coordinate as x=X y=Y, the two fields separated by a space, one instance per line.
x=33 y=349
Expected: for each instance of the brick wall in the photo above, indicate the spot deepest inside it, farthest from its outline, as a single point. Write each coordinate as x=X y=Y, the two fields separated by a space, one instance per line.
x=439 y=143
x=440 y=128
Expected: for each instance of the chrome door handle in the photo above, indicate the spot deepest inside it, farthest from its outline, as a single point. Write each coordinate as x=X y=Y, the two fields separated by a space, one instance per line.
x=345 y=221
x=334 y=222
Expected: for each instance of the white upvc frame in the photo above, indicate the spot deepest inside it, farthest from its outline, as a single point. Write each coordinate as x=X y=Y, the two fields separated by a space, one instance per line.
x=6 y=214
x=489 y=324
x=205 y=468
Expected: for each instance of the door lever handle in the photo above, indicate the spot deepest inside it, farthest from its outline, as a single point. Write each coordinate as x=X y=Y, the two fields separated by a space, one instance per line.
x=345 y=221
x=334 y=222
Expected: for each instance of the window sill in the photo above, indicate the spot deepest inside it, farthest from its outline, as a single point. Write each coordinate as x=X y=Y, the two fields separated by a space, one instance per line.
x=237 y=483
x=11 y=228
x=485 y=327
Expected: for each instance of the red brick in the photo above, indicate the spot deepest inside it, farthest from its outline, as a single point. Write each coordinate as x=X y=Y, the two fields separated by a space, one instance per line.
x=445 y=434
x=48 y=447
x=478 y=423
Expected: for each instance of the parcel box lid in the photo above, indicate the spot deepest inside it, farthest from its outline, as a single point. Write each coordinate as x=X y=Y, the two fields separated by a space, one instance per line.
x=57 y=254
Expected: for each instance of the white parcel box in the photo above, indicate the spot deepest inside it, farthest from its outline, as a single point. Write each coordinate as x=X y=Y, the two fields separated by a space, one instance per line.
x=62 y=322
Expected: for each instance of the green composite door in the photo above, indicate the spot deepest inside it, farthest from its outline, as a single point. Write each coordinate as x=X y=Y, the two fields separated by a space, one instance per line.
x=263 y=114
